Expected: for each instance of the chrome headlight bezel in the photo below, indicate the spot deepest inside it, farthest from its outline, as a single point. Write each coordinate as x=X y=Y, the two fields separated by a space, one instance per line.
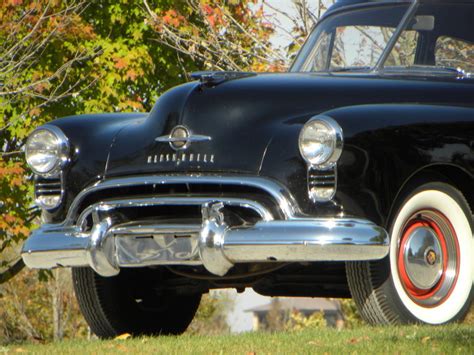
x=61 y=151
x=335 y=142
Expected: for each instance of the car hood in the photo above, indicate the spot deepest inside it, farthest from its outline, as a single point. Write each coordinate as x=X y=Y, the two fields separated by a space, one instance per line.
x=236 y=121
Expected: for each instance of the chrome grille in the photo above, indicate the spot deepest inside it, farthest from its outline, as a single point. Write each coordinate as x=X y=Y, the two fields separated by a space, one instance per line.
x=48 y=190
x=322 y=183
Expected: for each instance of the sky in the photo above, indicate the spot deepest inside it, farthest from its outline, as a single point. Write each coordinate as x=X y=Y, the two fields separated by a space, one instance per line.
x=281 y=38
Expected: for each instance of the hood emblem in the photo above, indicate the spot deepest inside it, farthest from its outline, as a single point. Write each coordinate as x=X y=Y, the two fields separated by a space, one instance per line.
x=181 y=138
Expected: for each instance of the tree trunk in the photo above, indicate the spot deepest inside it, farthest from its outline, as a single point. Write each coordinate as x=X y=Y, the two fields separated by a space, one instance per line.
x=11 y=271
x=57 y=297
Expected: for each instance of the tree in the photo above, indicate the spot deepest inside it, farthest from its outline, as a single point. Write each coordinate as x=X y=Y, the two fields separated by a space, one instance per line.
x=25 y=309
x=219 y=35
x=62 y=58
x=67 y=57
x=34 y=75
x=229 y=34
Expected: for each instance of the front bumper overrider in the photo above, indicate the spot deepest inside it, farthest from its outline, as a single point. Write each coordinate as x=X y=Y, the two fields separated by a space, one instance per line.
x=213 y=243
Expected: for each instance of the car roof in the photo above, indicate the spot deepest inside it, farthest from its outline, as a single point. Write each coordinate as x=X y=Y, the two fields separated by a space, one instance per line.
x=349 y=3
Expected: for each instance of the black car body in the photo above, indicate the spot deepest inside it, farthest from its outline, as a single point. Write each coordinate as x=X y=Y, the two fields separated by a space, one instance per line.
x=353 y=162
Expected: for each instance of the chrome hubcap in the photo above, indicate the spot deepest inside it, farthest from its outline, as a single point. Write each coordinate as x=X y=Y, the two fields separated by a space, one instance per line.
x=428 y=258
x=423 y=258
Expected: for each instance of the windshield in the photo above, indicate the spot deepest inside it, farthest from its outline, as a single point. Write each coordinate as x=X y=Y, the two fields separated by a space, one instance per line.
x=437 y=38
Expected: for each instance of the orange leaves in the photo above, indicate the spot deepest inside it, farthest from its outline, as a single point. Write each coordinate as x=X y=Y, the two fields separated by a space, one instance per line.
x=12 y=175
x=358 y=340
x=20 y=230
x=173 y=18
x=16 y=181
x=273 y=67
x=39 y=19
x=35 y=111
x=10 y=169
x=8 y=218
x=13 y=225
x=214 y=15
x=88 y=30
x=15 y=2
x=131 y=74
x=42 y=87
x=133 y=104
x=120 y=63
x=129 y=64
x=124 y=63
x=12 y=194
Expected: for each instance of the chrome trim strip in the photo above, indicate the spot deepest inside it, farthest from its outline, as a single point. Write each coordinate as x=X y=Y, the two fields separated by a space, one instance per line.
x=150 y=229
x=282 y=197
x=192 y=138
x=46 y=191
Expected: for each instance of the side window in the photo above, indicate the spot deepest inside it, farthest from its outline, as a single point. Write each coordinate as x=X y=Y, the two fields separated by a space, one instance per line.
x=404 y=51
x=454 y=53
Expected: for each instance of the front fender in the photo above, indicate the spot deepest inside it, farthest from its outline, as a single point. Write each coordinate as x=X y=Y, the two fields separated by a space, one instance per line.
x=90 y=137
x=385 y=145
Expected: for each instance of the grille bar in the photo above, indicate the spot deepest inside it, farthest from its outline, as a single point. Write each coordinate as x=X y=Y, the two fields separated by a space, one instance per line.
x=322 y=183
x=48 y=190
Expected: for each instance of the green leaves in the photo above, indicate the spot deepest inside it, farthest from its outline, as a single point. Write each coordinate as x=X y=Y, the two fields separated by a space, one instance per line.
x=60 y=58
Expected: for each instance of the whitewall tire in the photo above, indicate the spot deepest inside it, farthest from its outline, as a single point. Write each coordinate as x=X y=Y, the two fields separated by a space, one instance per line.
x=429 y=273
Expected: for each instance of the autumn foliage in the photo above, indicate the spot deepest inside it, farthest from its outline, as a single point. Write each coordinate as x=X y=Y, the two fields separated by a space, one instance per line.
x=60 y=58
x=219 y=35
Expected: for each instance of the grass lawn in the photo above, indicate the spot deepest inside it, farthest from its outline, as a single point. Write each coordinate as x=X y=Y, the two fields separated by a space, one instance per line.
x=377 y=340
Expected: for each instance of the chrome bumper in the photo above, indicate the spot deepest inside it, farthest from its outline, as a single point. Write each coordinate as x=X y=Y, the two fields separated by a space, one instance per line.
x=213 y=244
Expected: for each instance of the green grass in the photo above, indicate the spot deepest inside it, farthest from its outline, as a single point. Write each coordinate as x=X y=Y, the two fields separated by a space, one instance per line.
x=377 y=340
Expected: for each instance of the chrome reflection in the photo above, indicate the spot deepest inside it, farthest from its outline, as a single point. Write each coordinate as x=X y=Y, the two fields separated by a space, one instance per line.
x=213 y=243
x=283 y=199
x=423 y=258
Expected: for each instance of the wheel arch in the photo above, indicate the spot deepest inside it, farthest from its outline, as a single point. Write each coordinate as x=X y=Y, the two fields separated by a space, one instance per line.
x=452 y=174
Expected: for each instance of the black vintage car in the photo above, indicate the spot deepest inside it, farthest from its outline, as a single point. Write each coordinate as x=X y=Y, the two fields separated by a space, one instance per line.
x=350 y=176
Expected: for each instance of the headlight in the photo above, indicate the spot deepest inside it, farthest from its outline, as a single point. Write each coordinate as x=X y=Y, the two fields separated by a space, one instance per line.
x=320 y=141
x=47 y=150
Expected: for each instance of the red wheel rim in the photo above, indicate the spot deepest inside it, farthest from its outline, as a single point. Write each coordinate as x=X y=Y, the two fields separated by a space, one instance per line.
x=440 y=227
